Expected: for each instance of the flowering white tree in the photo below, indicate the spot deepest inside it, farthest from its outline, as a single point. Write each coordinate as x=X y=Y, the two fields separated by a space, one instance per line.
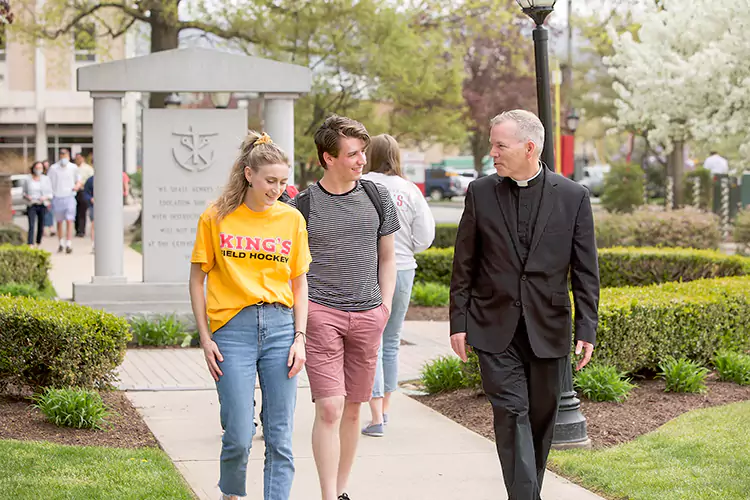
x=684 y=75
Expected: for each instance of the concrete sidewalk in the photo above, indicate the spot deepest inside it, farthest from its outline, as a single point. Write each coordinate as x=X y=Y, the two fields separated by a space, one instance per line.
x=423 y=455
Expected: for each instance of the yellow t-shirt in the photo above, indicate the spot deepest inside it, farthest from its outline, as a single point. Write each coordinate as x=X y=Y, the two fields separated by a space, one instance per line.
x=250 y=257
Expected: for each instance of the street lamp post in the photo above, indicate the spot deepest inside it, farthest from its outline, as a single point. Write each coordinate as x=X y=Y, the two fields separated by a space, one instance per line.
x=538 y=10
x=570 y=426
x=572 y=123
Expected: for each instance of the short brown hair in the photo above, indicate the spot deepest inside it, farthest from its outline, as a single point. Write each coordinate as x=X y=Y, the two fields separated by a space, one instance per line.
x=333 y=128
x=384 y=156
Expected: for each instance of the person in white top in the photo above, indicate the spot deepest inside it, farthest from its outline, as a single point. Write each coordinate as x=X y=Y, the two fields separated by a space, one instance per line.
x=716 y=164
x=66 y=181
x=415 y=235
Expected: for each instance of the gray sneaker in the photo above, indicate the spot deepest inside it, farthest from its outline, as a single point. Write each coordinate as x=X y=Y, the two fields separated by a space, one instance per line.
x=373 y=430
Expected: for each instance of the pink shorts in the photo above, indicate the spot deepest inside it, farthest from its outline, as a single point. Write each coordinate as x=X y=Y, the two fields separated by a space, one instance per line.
x=342 y=351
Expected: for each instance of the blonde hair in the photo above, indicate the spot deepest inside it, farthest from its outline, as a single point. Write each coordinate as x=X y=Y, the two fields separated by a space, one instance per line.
x=256 y=151
x=384 y=156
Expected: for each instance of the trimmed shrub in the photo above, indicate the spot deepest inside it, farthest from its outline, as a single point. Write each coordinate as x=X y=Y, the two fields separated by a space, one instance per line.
x=603 y=383
x=706 y=188
x=21 y=290
x=77 y=408
x=623 y=188
x=641 y=326
x=443 y=374
x=683 y=375
x=472 y=375
x=48 y=343
x=21 y=264
x=646 y=266
x=430 y=294
x=686 y=228
x=445 y=235
x=162 y=331
x=12 y=235
x=619 y=266
x=733 y=367
x=434 y=265
x=741 y=233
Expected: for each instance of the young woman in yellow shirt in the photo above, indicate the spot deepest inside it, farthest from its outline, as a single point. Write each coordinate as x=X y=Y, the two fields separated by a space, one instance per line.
x=252 y=317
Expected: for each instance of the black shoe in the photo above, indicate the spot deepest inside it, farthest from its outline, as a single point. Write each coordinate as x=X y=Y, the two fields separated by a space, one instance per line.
x=60 y=249
x=69 y=250
x=344 y=496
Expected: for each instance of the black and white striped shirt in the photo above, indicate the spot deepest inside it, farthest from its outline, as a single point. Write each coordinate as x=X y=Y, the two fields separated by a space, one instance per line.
x=343 y=234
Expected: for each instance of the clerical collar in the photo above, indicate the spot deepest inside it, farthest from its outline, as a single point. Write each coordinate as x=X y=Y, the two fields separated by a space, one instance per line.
x=531 y=181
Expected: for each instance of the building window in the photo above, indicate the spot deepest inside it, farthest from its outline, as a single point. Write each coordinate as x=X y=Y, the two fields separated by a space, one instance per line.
x=85 y=42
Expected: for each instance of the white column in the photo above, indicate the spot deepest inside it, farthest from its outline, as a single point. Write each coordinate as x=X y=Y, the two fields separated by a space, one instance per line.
x=278 y=120
x=109 y=237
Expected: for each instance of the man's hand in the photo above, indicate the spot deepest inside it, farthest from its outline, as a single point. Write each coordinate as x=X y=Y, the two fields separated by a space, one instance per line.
x=459 y=345
x=587 y=349
x=213 y=358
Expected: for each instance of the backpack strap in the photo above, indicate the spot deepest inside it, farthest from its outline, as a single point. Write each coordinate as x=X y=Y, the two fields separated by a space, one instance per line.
x=372 y=192
x=302 y=200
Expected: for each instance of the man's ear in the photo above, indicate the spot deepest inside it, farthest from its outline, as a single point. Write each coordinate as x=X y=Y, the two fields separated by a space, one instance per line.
x=328 y=159
x=530 y=149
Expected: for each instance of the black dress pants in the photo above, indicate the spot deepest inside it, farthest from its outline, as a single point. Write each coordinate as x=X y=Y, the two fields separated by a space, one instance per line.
x=524 y=391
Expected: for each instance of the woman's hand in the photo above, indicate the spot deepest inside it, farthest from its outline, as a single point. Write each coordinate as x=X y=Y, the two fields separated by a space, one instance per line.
x=297 y=356
x=213 y=358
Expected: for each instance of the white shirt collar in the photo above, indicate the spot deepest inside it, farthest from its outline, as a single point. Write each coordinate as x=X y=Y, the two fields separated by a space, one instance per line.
x=526 y=182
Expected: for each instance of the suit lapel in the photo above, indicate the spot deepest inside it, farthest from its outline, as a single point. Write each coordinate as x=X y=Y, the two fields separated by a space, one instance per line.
x=510 y=217
x=545 y=209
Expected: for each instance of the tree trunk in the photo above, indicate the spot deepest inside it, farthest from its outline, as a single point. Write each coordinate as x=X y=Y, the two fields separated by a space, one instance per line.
x=164 y=36
x=676 y=170
x=479 y=150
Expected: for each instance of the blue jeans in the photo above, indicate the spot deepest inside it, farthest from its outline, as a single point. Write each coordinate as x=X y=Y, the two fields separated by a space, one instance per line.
x=257 y=338
x=386 y=375
x=36 y=213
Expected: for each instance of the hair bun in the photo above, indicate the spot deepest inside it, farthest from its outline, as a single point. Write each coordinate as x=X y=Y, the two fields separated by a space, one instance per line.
x=263 y=139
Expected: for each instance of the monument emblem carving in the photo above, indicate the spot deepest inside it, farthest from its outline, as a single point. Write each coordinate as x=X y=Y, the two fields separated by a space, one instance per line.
x=193 y=153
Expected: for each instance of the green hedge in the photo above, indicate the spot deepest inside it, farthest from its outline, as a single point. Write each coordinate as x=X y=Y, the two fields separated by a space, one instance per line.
x=685 y=228
x=641 y=326
x=445 y=235
x=21 y=264
x=48 y=343
x=11 y=234
x=618 y=266
x=647 y=266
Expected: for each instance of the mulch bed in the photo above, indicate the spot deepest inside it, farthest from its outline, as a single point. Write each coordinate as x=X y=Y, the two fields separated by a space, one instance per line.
x=422 y=313
x=647 y=408
x=19 y=420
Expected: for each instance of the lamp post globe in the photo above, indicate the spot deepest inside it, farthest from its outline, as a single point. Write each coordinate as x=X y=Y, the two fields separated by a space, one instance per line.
x=572 y=120
x=570 y=425
x=221 y=100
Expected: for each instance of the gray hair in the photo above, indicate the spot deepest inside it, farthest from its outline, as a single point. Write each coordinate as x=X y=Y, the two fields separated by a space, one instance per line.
x=528 y=126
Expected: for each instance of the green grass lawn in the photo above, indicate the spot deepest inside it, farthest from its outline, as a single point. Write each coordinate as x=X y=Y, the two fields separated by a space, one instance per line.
x=703 y=454
x=32 y=470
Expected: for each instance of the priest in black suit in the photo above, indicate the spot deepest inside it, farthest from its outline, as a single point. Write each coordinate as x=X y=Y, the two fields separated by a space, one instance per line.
x=523 y=232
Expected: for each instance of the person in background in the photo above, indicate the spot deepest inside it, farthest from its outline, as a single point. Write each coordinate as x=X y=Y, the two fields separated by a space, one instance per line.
x=88 y=196
x=716 y=164
x=37 y=191
x=415 y=235
x=65 y=184
x=85 y=171
x=125 y=188
x=49 y=217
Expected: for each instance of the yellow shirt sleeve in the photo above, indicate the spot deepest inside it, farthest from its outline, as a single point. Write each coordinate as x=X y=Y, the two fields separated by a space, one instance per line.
x=203 y=249
x=301 y=257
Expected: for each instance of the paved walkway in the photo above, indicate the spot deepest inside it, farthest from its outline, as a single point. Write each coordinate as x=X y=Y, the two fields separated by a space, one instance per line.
x=423 y=455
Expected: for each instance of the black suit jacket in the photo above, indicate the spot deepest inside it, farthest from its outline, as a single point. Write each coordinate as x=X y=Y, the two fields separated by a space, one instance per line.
x=491 y=286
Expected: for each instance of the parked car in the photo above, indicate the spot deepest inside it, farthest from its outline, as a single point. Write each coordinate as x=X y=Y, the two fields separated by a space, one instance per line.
x=445 y=183
x=593 y=178
x=16 y=191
